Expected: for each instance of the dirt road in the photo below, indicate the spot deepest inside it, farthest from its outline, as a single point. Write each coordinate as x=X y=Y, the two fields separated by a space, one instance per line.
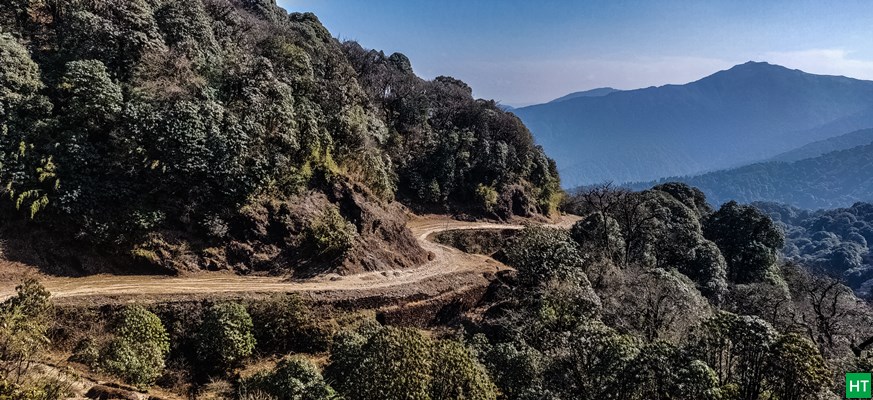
x=448 y=270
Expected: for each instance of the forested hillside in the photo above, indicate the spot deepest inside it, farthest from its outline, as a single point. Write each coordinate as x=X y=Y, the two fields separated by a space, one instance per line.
x=653 y=295
x=175 y=135
x=745 y=114
x=843 y=142
x=836 y=179
x=835 y=242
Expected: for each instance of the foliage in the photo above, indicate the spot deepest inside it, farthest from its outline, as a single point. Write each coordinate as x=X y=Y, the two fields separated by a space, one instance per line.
x=27 y=175
x=837 y=242
x=139 y=349
x=86 y=352
x=329 y=234
x=24 y=323
x=377 y=362
x=795 y=369
x=390 y=363
x=600 y=233
x=285 y=323
x=458 y=375
x=483 y=154
x=542 y=254
x=748 y=239
x=122 y=120
x=224 y=338
x=292 y=379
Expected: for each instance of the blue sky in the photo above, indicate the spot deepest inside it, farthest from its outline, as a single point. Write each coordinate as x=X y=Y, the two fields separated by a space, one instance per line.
x=526 y=52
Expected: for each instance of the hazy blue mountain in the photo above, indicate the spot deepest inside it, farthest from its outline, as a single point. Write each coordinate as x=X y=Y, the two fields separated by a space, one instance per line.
x=835 y=179
x=599 y=92
x=815 y=149
x=745 y=114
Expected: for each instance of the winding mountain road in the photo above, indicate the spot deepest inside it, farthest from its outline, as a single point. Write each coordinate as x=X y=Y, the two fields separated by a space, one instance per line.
x=448 y=270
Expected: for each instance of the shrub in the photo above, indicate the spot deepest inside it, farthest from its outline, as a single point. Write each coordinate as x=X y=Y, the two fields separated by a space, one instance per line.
x=285 y=323
x=541 y=254
x=329 y=234
x=225 y=337
x=292 y=379
x=391 y=363
x=140 y=346
x=487 y=197
x=86 y=352
x=24 y=322
x=458 y=375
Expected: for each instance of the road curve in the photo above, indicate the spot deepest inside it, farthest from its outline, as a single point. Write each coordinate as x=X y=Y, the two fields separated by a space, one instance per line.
x=449 y=269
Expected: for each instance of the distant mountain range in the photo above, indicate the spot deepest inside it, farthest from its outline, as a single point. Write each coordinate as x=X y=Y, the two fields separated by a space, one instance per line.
x=835 y=179
x=748 y=113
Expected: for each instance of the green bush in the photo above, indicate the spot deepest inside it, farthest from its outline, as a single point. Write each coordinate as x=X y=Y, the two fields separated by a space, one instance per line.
x=541 y=254
x=458 y=375
x=487 y=197
x=24 y=324
x=392 y=363
x=86 y=352
x=329 y=234
x=378 y=362
x=285 y=323
x=292 y=379
x=139 y=349
x=225 y=337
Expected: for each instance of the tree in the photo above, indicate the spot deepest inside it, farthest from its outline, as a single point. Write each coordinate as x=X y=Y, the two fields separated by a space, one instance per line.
x=225 y=337
x=24 y=323
x=140 y=346
x=90 y=98
x=658 y=305
x=517 y=369
x=593 y=363
x=664 y=371
x=27 y=171
x=285 y=323
x=458 y=375
x=691 y=197
x=737 y=348
x=795 y=368
x=747 y=238
x=541 y=254
x=706 y=266
x=827 y=311
x=393 y=363
x=600 y=233
x=293 y=378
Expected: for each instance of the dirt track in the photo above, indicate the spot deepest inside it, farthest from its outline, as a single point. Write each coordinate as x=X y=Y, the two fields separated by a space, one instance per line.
x=449 y=270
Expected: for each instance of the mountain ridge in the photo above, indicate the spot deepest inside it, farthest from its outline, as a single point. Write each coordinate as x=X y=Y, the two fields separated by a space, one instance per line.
x=750 y=112
x=835 y=179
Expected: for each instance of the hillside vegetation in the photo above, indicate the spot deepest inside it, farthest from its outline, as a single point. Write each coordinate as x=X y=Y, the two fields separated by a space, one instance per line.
x=228 y=134
x=833 y=180
x=843 y=142
x=745 y=114
x=653 y=295
x=834 y=242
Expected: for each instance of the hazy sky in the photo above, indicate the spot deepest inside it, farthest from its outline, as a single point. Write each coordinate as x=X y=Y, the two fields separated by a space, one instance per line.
x=525 y=52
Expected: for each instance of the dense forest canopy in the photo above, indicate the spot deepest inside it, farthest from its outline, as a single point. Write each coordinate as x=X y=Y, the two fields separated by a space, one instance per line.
x=133 y=124
x=834 y=242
